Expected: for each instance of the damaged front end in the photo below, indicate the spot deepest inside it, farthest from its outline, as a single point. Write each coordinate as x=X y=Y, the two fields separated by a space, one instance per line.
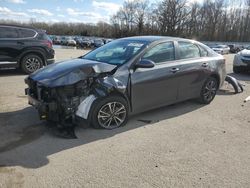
x=57 y=104
x=60 y=95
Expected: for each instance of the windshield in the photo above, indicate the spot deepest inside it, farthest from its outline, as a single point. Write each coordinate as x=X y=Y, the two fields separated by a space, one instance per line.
x=116 y=52
x=248 y=48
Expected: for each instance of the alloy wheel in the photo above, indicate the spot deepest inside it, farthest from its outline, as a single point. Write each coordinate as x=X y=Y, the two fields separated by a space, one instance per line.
x=112 y=115
x=32 y=64
x=210 y=90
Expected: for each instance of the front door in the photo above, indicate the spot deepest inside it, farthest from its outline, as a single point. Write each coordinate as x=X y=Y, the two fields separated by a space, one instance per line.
x=157 y=86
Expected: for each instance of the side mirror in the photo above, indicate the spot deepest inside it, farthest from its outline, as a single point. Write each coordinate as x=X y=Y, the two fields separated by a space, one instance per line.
x=145 y=63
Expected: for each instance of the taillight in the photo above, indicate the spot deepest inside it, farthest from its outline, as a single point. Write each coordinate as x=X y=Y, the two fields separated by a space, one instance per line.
x=48 y=43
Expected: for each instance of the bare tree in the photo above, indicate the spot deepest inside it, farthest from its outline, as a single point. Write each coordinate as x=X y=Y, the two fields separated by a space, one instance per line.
x=220 y=20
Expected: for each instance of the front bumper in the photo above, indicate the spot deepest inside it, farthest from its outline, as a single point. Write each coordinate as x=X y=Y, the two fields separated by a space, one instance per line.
x=46 y=111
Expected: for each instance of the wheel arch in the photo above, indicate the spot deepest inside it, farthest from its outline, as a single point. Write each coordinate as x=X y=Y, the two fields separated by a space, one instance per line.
x=111 y=94
x=217 y=77
x=119 y=94
x=29 y=52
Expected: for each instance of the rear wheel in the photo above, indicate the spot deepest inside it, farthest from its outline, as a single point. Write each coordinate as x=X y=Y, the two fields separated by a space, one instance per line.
x=208 y=90
x=110 y=113
x=30 y=63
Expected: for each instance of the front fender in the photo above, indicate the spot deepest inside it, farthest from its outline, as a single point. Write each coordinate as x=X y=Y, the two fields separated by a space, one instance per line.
x=107 y=85
x=102 y=87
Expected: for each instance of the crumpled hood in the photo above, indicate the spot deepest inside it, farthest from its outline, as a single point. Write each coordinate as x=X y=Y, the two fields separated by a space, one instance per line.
x=69 y=72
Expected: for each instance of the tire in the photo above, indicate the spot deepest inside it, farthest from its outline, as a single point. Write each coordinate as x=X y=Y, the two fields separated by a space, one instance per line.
x=30 y=63
x=209 y=90
x=102 y=117
x=237 y=70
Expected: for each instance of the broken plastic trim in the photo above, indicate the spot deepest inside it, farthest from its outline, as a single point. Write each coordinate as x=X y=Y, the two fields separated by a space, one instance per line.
x=235 y=83
x=102 y=88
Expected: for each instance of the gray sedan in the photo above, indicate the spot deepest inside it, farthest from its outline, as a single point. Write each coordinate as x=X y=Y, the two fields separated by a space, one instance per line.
x=126 y=76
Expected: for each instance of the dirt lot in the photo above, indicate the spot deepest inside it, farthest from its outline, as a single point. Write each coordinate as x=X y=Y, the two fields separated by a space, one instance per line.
x=183 y=145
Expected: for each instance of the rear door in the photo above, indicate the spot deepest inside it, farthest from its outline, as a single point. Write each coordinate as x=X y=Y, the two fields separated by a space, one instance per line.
x=194 y=69
x=8 y=44
x=157 y=86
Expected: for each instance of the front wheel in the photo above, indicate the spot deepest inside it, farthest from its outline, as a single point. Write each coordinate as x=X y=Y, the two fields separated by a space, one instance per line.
x=110 y=113
x=208 y=90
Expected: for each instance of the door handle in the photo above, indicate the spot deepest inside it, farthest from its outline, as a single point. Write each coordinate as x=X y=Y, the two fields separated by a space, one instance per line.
x=205 y=64
x=174 y=70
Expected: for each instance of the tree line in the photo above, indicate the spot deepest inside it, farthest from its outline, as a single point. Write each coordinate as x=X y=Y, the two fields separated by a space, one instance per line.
x=220 y=20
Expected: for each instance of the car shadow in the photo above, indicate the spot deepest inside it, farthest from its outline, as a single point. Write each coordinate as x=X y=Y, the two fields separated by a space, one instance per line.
x=36 y=141
x=11 y=72
x=226 y=92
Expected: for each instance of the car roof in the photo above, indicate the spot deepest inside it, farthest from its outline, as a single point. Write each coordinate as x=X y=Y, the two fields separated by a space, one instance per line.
x=150 y=39
x=25 y=27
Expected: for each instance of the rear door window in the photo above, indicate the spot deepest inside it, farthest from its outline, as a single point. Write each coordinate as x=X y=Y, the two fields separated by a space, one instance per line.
x=8 y=33
x=188 y=50
x=161 y=53
x=27 y=33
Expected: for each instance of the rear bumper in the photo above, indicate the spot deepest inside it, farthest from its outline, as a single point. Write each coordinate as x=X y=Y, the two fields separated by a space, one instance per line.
x=50 y=61
x=49 y=56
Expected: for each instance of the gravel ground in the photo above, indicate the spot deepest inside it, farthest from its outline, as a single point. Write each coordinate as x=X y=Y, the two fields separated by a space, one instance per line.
x=182 y=145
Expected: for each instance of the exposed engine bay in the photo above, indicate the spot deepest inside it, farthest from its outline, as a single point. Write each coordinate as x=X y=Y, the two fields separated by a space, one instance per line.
x=69 y=95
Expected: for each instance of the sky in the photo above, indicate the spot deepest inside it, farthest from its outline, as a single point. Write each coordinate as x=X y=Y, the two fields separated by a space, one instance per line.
x=86 y=11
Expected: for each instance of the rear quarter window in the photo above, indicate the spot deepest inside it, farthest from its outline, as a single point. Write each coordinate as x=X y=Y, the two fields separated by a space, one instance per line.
x=188 y=50
x=43 y=36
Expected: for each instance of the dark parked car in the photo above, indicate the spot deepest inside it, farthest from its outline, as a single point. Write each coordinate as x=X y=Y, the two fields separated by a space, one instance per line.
x=82 y=43
x=64 y=41
x=106 y=41
x=123 y=77
x=57 y=41
x=235 y=48
x=27 y=48
x=98 y=43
